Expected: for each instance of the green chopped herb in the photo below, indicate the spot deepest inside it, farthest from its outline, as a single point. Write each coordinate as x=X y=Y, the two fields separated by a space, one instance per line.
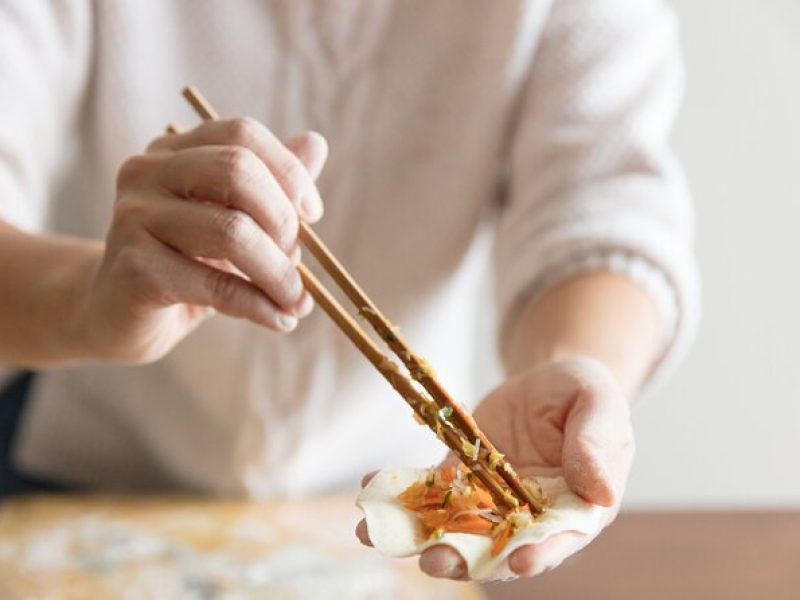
x=446 y=413
x=510 y=499
x=495 y=458
x=477 y=449
x=468 y=449
x=447 y=496
x=430 y=481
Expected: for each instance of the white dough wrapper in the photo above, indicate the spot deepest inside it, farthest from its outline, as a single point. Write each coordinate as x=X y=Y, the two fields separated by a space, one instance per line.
x=395 y=531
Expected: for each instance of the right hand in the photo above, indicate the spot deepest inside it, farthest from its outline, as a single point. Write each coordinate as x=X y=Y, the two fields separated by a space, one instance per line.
x=206 y=220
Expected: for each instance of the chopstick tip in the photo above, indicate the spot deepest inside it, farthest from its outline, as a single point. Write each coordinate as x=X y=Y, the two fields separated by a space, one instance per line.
x=199 y=103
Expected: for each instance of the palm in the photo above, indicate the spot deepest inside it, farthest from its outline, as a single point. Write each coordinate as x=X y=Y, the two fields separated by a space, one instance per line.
x=528 y=429
x=566 y=418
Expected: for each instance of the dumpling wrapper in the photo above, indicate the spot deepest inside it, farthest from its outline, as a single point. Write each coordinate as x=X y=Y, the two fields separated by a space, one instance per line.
x=396 y=531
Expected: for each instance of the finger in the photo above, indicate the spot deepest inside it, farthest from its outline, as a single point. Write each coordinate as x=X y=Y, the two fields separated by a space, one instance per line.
x=367 y=478
x=246 y=132
x=598 y=447
x=363 y=534
x=443 y=561
x=219 y=233
x=165 y=277
x=312 y=150
x=535 y=559
x=303 y=309
x=233 y=177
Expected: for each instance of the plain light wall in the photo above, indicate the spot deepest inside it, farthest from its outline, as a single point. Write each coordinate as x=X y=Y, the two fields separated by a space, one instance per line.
x=726 y=430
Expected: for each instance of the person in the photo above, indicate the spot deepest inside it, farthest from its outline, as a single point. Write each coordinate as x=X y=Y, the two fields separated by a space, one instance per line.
x=149 y=282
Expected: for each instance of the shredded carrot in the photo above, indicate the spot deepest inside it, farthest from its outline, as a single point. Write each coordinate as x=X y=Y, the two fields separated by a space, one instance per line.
x=451 y=501
x=485 y=499
x=501 y=541
x=435 y=518
x=420 y=497
x=468 y=524
x=448 y=474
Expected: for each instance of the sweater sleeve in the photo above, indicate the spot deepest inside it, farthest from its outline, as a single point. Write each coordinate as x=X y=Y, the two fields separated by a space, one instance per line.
x=593 y=184
x=45 y=50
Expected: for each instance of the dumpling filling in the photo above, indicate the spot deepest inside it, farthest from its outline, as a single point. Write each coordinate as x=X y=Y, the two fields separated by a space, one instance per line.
x=409 y=510
x=452 y=500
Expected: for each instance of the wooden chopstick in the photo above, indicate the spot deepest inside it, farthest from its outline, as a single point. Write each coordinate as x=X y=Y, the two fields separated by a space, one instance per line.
x=423 y=407
x=485 y=459
x=417 y=366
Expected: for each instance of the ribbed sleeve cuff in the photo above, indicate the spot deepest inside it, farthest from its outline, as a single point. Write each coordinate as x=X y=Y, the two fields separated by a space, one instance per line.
x=661 y=267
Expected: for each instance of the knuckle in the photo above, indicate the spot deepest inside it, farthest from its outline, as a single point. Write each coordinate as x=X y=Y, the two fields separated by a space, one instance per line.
x=162 y=142
x=243 y=131
x=223 y=288
x=133 y=170
x=286 y=228
x=237 y=165
x=235 y=229
x=291 y=173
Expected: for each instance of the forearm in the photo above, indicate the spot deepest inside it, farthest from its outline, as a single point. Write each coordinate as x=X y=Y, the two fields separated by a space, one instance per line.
x=604 y=316
x=42 y=282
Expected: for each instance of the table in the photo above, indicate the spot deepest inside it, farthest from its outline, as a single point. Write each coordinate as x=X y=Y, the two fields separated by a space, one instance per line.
x=684 y=555
x=86 y=547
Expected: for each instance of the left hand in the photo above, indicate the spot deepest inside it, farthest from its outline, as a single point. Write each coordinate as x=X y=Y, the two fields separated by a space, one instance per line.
x=567 y=417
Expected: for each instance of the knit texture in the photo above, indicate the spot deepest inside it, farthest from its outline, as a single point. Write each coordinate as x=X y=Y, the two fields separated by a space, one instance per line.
x=546 y=122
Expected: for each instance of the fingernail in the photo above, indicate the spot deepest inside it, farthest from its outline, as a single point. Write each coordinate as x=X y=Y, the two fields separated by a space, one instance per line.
x=311 y=207
x=295 y=255
x=305 y=307
x=521 y=563
x=294 y=287
x=456 y=571
x=287 y=322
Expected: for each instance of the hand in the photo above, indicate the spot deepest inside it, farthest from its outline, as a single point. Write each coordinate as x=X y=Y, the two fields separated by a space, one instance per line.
x=567 y=418
x=203 y=221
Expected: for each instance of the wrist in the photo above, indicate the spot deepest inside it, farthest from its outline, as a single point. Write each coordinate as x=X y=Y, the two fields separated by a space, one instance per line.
x=62 y=299
x=624 y=374
x=600 y=316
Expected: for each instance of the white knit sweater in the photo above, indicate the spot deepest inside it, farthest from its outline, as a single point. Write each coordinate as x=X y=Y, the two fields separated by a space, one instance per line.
x=542 y=122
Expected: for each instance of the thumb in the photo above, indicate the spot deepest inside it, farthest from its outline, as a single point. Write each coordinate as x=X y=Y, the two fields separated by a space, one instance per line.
x=312 y=150
x=598 y=447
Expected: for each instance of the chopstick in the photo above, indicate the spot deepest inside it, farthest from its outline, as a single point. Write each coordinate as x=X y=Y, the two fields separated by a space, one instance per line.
x=447 y=418
x=417 y=366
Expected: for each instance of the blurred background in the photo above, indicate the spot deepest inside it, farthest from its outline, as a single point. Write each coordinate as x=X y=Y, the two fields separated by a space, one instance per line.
x=725 y=432
x=709 y=506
